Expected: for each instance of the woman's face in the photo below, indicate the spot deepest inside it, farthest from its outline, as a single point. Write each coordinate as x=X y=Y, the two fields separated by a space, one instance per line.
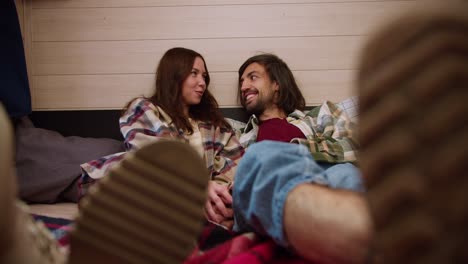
x=194 y=85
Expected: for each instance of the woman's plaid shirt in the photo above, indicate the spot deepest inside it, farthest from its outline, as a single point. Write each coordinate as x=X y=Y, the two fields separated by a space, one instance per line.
x=144 y=123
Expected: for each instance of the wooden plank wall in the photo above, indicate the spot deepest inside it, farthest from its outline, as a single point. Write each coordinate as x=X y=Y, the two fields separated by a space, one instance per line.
x=88 y=54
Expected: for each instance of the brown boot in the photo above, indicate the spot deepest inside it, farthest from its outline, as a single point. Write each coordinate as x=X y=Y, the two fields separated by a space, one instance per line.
x=413 y=83
x=149 y=209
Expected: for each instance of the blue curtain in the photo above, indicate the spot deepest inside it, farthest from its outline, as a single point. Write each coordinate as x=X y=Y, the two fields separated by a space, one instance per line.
x=14 y=85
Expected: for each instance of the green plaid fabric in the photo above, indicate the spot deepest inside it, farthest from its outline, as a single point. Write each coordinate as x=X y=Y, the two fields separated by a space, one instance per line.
x=330 y=133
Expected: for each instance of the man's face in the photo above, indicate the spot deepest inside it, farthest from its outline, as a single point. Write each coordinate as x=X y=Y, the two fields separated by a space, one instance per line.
x=257 y=91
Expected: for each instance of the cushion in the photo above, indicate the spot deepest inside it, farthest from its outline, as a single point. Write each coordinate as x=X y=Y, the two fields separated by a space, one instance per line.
x=47 y=162
x=236 y=124
x=350 y=107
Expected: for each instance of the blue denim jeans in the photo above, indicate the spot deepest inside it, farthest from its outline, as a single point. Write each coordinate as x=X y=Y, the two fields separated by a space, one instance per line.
x=266 y=174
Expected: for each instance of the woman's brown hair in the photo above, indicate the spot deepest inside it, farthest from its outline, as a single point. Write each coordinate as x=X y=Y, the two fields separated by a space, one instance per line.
x=174 y=67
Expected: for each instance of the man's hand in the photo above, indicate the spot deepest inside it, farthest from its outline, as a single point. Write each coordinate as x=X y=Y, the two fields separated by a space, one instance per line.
x=219 y=199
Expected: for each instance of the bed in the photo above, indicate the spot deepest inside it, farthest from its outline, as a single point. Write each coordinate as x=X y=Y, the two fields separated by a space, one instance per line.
x=47 y=138
x=78 y=52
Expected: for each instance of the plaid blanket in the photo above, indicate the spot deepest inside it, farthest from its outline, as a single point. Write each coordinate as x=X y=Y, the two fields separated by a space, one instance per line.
x=59 y=227
x=215 y=245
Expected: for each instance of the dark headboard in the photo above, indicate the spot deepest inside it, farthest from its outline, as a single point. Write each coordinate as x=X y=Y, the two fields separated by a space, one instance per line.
x=97 y=123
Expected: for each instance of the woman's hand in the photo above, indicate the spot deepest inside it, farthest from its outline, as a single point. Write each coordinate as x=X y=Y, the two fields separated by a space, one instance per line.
x=219 y=202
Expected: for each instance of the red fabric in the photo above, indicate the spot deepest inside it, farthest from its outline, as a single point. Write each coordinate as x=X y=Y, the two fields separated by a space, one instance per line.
x=241 y=249
x=215 y=245
x=278 y=129
x=59 y=227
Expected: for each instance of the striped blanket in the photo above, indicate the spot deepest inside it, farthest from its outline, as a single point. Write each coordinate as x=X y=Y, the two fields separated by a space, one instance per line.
x=215 y=245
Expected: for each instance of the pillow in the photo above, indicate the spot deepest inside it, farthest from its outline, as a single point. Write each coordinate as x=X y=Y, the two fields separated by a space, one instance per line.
x=236 y=124
x=350 y=107
x=47 y=162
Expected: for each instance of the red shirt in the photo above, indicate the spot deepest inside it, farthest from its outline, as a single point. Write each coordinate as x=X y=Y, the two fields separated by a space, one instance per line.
x=278 y=129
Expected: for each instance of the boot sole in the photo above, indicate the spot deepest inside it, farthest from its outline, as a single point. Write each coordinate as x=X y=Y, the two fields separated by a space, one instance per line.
x=414 y=134
x=149 y=209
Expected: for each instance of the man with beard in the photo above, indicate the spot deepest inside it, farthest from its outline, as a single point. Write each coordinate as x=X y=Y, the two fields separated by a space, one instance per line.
x=307 y=196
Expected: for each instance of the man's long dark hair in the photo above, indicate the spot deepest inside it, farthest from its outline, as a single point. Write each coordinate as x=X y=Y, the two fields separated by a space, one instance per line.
x=290 y=97
x=174 y=67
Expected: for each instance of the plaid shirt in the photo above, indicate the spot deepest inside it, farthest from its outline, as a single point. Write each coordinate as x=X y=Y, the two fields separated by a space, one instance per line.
x=330 y=134
x=143 y=123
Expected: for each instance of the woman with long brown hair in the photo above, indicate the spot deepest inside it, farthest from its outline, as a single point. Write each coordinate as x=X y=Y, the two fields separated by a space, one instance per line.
x=183 y=109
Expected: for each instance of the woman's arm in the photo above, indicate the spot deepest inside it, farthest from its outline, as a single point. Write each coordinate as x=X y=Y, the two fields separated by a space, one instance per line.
x=143 y=123
x=226 y=155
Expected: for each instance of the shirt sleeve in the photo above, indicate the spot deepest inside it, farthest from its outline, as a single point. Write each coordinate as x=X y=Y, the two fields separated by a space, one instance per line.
x=333 y=135
x=143 y=123
x=227 y=154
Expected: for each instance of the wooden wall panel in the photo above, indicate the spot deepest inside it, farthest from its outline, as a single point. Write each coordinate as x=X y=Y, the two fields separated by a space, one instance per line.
x=149 y=3
x=105 y=57
x=66 y=92
x=88 y=54
x=185 y=22
x=113 y=91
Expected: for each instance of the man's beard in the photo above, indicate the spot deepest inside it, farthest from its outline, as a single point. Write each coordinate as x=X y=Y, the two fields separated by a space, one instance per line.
x=260 y=106
x=256 y=109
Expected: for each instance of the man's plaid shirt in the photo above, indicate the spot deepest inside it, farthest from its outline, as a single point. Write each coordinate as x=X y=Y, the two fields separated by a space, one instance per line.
x=330 y=134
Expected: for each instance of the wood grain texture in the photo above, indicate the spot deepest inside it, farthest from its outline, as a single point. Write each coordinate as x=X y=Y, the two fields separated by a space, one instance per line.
x=110 y=57
x=235 y=21
x=99 y=54
x=149 y=3
x=63 y=92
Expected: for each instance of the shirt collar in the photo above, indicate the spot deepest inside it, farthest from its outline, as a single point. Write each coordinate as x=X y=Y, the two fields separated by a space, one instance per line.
x=254 y=121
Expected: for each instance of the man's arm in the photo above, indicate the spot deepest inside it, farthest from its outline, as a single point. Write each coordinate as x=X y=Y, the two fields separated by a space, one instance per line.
x=327 y=225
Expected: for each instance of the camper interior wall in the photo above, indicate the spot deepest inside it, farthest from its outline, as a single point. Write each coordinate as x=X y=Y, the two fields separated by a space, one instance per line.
x=91 y=55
